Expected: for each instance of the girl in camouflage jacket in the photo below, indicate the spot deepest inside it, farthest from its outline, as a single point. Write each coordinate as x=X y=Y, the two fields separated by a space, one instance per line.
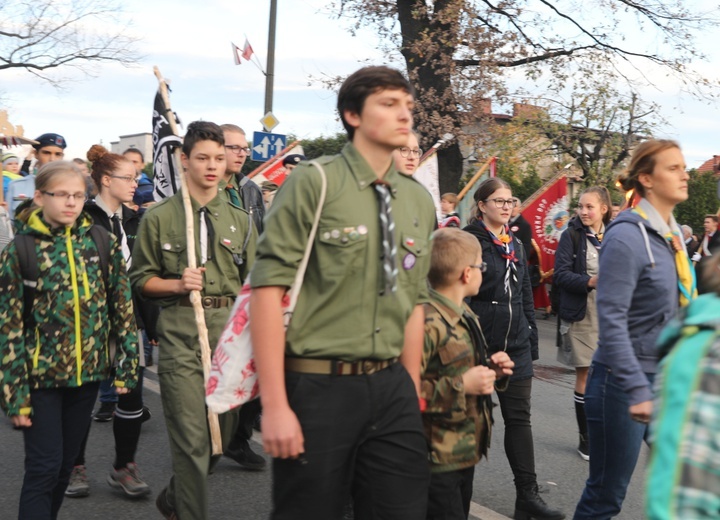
x=53 y=357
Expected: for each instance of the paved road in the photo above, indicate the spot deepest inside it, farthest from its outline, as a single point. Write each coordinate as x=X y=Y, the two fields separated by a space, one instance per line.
x=241 y=494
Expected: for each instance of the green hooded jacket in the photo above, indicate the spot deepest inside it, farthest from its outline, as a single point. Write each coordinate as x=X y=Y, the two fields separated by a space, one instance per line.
x=73 y=319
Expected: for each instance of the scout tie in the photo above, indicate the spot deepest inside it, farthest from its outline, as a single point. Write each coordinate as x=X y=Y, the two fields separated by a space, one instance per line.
x=120 y=233
x=594 y=238
x=234 y=196
x=387 y=227
x=206 y=235
x=684 y=268
x=506 y=248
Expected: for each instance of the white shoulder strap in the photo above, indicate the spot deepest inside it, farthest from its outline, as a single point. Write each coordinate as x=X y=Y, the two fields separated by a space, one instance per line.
x=300 y=275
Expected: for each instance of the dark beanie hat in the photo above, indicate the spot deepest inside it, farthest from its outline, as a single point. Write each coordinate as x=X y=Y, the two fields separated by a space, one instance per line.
x=293 y=158
x=50 y=140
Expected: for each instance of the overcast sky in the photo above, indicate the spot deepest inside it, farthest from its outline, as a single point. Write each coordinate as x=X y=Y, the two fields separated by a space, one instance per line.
x=190 y=43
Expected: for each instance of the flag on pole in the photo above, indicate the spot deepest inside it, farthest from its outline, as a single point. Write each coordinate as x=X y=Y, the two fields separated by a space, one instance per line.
x=548 y=214
x=427 y=175
x=247 y=50
x=275 y=172
x=166 y=174
x=236 y=53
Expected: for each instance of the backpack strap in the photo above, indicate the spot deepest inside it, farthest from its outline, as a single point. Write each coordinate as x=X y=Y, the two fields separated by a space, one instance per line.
x=27 y=256
x=101 y=237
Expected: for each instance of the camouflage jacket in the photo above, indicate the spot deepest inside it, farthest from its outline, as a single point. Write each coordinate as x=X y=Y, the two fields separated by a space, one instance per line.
x=456 y=425
x=73 y=316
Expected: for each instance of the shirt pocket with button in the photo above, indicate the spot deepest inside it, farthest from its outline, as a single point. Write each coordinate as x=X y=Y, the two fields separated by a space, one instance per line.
x=342 y=250
x=174 y=254
x=411 y=252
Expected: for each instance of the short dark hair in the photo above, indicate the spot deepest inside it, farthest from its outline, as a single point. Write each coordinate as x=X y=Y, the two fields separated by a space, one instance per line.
x=135 y=150
x=201 y=131
x=360 y=84
x=714 y=218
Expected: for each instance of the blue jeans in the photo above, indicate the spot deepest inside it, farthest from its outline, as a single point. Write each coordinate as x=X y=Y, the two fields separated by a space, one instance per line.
x=107 y=391
x=615 y=441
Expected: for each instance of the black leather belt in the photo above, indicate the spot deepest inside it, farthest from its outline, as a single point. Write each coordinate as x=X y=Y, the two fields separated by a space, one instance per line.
x=337 y=367
x=208 y=302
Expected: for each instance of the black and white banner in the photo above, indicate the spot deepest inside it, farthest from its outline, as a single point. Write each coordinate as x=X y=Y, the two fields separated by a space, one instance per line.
x=166 y=174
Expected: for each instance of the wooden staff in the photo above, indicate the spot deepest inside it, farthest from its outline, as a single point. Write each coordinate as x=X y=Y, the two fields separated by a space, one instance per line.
x=474 y=179
x=215 y=437
x=267 y=164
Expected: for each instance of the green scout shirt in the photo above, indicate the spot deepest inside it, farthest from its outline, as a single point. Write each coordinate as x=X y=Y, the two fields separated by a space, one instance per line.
x=341 y=312
x=456 y=425
x=160 y=249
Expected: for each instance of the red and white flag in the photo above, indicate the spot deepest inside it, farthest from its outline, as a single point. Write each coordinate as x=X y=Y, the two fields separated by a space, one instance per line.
x=247 y=50
x=548 y=214
x=236 y=53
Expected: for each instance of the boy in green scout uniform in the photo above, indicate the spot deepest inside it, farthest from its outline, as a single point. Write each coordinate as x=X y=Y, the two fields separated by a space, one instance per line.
x=458 y=376
x=160 y=272
x=340 y=388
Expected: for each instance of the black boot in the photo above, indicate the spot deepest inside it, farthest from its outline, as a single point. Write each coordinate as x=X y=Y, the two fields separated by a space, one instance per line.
x=529 y=505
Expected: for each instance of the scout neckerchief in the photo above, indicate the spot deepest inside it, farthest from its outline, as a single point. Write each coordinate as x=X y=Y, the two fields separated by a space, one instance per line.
x=387 y=228
x=595 y=238
x=685 y=272
x=506 y=248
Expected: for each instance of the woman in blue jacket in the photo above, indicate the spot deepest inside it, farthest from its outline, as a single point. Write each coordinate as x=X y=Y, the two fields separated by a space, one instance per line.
x=644 y=274
x=576 y=274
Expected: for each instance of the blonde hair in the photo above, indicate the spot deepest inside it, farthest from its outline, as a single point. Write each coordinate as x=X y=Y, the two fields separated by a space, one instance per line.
x=46 y=175
x=452 y=198
x=643 y=161
x=452 y=251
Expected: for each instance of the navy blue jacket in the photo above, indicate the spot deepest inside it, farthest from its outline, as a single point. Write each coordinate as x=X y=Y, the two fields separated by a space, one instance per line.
x=570 y=273
x=507 y=320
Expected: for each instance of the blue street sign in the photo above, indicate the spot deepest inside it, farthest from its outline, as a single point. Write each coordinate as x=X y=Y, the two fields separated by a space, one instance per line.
x=266 y=145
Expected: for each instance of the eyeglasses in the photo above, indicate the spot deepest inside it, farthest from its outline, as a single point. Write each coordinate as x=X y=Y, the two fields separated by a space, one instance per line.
x=406 y=152
x=482 y=266
x=236 y=149
x=79 y=197
x=126 y=178
x=501 y=203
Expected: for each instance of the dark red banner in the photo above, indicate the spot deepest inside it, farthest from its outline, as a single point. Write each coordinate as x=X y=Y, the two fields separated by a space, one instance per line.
x=548 y=216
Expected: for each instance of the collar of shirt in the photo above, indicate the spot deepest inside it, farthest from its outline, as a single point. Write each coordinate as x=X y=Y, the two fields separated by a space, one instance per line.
x=363 y=174
x=449 y=311
x=100 y=203
x=213 y=206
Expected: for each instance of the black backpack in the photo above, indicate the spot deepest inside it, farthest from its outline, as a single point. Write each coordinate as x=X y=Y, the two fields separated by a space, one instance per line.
x=25 y=245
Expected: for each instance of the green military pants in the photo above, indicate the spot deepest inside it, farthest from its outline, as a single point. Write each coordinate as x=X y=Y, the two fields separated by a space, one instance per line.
x=182 y=390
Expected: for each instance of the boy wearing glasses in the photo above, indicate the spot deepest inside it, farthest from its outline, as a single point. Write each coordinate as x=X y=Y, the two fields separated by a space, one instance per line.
x=458 y=376
x=241 y=191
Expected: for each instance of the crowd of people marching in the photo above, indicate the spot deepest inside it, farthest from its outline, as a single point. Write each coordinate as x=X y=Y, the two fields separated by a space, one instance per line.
x=377 y=398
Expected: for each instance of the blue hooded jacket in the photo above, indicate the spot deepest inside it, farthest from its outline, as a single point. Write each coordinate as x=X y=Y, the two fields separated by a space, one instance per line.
x=637 y=295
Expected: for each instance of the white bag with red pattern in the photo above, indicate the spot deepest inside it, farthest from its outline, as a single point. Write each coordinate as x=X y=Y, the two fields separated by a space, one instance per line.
x=232 y=381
